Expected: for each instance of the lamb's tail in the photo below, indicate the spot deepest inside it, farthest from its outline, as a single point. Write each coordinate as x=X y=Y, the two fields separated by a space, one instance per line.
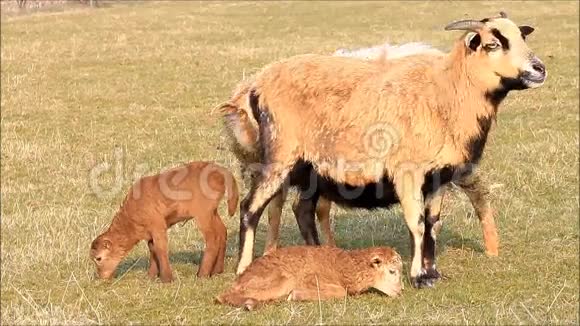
x=239 y=121
x=233 y=195
x=231 y=187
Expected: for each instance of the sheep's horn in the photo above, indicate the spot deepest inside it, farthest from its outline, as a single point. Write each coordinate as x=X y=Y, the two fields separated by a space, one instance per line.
x=465 y=25
x=502 y=14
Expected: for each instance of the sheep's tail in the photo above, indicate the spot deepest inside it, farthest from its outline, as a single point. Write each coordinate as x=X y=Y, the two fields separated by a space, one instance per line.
x=239 y=120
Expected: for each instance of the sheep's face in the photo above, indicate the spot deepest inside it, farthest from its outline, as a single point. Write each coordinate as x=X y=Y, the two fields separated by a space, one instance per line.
x=105 y=256
x=504 y=58
x=388 y=266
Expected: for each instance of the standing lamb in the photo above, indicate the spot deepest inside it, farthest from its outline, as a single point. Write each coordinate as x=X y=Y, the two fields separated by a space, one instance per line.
x=154 y=204
x=305 y=273
x=314 y=112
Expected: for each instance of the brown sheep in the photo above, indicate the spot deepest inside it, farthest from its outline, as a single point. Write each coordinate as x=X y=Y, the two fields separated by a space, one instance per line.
x=305 y=273
x=243 y=134
x=316 y=112
x=157 y=202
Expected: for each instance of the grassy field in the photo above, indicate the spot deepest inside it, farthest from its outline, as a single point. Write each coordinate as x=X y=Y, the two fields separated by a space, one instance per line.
x=91 y=98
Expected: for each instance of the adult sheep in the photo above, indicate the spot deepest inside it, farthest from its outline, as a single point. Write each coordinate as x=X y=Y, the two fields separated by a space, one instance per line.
x=314 y=111
x=243 y=135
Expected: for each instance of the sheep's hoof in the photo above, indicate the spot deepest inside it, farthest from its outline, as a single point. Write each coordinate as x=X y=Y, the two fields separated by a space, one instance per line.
x=433 y=274
x=426 y=278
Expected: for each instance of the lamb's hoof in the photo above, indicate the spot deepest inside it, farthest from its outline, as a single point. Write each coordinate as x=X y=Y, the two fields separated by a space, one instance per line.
x=250 y=304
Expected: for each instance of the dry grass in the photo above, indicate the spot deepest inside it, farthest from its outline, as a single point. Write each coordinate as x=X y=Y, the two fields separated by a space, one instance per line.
x=133 y=85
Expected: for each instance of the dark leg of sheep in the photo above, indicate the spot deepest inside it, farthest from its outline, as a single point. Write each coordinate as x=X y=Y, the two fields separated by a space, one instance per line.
x=304 y=210
x=251 y=208
x=432 y=228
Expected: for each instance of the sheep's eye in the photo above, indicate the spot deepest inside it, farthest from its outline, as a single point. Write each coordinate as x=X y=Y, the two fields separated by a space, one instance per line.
x=98 y=259
x=492 y=46
x=392 y=271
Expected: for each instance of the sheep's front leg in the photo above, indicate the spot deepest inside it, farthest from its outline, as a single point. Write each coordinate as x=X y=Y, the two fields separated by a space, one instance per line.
x=432 y=228
x=408 y=187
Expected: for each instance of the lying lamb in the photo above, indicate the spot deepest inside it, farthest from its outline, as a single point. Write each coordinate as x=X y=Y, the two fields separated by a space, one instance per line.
x=305 y=273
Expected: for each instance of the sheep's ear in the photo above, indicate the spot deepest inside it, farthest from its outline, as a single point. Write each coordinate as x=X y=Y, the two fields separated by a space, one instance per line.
x=526 y=30
x=376 y=262
x=472 y=40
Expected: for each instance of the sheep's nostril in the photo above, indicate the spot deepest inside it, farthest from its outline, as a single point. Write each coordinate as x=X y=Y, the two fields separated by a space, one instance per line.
x=539 y=67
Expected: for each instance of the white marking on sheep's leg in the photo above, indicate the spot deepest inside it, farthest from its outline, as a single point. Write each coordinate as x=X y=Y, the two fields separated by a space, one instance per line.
x=247 y=252
x=270 y=183
x=408 y=187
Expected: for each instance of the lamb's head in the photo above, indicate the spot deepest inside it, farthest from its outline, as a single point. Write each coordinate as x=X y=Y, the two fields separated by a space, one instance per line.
x=502 y=59
x=106 y=255
x=388 y=269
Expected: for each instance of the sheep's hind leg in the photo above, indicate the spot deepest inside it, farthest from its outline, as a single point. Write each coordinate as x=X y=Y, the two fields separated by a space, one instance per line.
x=304 y=209
x=478 y=194
x=432 y=228
x=251 y=208
x=274 y=215
x=323 y=214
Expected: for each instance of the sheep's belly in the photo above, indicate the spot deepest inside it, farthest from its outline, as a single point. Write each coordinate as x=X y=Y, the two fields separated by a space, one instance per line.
x=373 y=195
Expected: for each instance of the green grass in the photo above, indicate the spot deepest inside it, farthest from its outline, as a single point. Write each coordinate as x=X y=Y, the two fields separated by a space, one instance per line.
x=138 y=81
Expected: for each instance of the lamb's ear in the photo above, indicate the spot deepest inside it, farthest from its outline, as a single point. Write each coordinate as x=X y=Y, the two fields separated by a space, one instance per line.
x=107 y=244
x=526 y=30
x=376 y=262
x=472 y=40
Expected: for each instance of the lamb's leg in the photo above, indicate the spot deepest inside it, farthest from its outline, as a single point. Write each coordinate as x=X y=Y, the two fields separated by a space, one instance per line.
x=432 y=228
x=317 y=290
x=323 y=214
x=304 y=209
x=268 y=184
x=274 y=215
x=161 y=251
x=153 y=263
x=205 y=224
x=408 y=187
x=248 y=293
x=478 y=194
x=222 y=236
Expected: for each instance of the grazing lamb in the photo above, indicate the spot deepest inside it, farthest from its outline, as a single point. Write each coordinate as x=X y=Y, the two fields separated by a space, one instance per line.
x=315 y=112
x=157 y=202
x=305 y=273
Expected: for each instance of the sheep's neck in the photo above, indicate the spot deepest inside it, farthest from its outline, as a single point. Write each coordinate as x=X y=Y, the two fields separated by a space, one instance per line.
x=472 y=110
